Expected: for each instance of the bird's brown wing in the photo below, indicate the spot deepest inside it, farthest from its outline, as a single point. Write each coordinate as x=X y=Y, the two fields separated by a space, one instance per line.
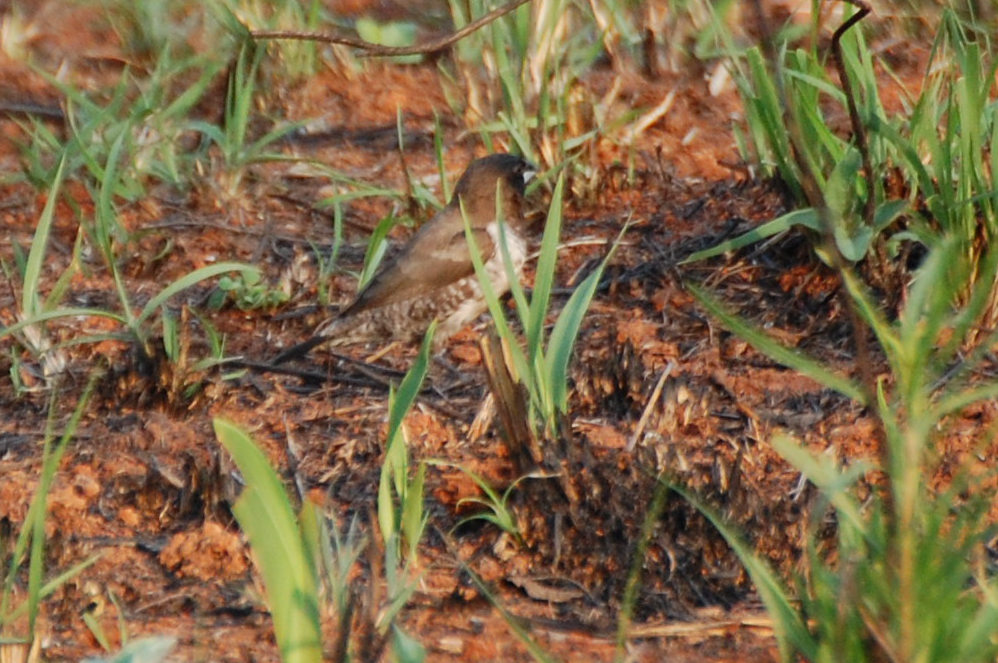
x=436 y=256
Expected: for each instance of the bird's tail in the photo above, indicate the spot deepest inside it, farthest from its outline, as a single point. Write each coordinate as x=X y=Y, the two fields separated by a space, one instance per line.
x=299 y=350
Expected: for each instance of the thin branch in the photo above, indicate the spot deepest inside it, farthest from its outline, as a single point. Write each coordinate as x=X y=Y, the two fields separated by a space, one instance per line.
x=859 y=131
x=377 y=50
x=815 y=196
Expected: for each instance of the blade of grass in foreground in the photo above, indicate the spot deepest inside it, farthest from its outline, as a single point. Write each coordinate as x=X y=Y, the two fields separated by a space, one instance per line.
x=36 y=256
x=265 y=515
x=33 y=530
x=786 y=356
x=151 y=649
x=792 y=634
x=395 y=470
x=61 y=313
x=188 y=280
x=566 y=330
x=544 y=275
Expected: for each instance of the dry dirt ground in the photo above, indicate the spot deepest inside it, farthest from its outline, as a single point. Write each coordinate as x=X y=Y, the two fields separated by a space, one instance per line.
x=146 y=487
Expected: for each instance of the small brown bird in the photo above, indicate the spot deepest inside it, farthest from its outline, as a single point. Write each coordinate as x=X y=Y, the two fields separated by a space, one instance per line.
x=433 y=277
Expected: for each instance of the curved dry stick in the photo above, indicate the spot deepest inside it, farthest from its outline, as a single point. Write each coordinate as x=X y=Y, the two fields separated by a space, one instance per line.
x=812 y=191
x=377 y=50
x=857 y=124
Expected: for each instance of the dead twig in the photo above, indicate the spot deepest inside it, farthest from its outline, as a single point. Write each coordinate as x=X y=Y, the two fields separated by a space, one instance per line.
x=377 y=50
x=32 y=109
x=371 y=377
x=858 y=130
x=650 y=406
x=511 y=406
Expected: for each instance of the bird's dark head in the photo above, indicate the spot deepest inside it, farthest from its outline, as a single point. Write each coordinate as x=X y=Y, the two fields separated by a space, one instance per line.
x=477 y=186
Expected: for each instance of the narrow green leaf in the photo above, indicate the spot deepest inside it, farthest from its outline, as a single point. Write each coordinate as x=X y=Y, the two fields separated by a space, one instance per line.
x=406 y=648
x=151 y=649
x=808 y=218
x=492 y=300
x=822 y=472
x=229 y=20
x=791 y=632
x=851 y=234
x=786 y=356
x=387 y=519
x=189 y=280
x=33 y=530
x=386 y=503
x=30 y=296
x=66 y=278
x=265 y=515
x=60 y=313
x=394 y=470
x=566 y=330
x=377 y=245
x=414 y=517
x=171 y=337
x=563 y=336
x=544 y=275
x=412 y=383
x=887 y=212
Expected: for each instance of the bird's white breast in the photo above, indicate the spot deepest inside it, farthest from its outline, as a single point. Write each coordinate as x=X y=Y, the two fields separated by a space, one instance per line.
x=495 y=269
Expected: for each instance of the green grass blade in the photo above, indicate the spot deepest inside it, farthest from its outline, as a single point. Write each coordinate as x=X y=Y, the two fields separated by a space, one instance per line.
x=563 y=336
x=193 y=278
x=492 y=300
x=807 y=218
x=514 y=623
x=394 y=469
x=65 y=279
x=49 y=587
x=405 y=648
x=414 y=516
x=265 y=515
x=792 y=633
x=954 y=402
x=786 y=356
x=60 y=313
x=36 y=256
x=33 y=530
x=867 y=308
x=412 y=383
x=377 y=245
x=544 y=275
x=566 y=330
x=833 y=483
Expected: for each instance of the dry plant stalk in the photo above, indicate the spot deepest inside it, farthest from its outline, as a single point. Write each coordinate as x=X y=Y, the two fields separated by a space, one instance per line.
x=377 y=50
